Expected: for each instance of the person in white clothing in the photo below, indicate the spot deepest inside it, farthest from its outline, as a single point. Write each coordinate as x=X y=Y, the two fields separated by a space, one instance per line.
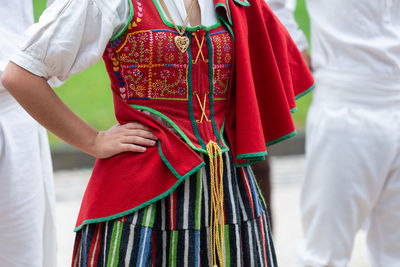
x=352 y=140
x=27 y=200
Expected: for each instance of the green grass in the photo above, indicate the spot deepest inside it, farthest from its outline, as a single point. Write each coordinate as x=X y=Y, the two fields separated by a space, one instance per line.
x=88 y=93
x=304 y=102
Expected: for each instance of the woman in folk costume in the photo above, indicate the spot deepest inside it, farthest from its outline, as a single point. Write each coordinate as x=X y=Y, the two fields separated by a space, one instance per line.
x=196 y=105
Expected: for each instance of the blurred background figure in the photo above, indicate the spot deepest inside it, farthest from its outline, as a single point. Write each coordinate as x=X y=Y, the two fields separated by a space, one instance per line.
x=27 y=224
x=352 y=133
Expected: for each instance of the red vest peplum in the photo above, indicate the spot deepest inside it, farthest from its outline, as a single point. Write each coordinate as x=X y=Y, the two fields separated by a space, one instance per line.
x=189 y=100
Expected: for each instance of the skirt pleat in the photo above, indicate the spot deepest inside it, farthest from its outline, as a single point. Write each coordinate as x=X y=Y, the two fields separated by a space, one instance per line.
x=175 y=231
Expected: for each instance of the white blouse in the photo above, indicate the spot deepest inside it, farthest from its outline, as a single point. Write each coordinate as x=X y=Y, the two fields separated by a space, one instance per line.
x=71 y=35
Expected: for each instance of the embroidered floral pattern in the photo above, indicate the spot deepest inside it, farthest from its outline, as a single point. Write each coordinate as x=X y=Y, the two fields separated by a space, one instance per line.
x=150 y=66
x=222 y=62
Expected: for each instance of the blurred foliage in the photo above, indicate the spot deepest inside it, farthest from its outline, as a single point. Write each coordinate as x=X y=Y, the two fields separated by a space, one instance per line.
x=38 y=7
x=88 y=93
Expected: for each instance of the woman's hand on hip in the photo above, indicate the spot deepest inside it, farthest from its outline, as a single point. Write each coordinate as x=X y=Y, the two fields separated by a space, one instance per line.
x=42 y=103
x=130 y=137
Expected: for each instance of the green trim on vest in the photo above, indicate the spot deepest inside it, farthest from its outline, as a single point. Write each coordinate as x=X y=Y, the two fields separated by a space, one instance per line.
x=168 y=164
x=226 y=24
x=222 y=135
x=252 y=156
x=173 y=124
x=190 y=96
x=228 y=13
x=149 y=202
x=280 y=139
x=127 y=24
x=211 y=88
x=305 y=92
x=244 y=3
x=249 y=162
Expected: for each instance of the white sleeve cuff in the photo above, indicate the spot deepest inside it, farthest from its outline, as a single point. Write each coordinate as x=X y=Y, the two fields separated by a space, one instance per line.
x=30 y=63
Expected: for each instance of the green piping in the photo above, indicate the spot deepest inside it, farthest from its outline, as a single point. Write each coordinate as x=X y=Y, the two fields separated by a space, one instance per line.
x=229 y=12
x=173 y=124
x=251 y=155
x=226 y=10
x=249 y=162
x=127 y=24
x=305 y=92
x=211 y=87
x=222 y=134
x=244 y=3
x=293 y=110
x=195 y=28
x=166 y=162
x=280 y=139
x=226 y=25
x=151 y=201
x=190 y=96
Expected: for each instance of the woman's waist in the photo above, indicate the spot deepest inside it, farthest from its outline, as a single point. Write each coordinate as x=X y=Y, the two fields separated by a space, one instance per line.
x=196 y=126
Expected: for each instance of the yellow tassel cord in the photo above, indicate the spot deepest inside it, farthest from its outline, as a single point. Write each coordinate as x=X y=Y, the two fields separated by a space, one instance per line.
x=202 y=107
x=200 y=45
x=217 y=220
x=217 y=204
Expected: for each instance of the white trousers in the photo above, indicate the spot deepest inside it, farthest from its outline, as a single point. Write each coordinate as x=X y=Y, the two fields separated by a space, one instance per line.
x=352 y=176
x=27 y=200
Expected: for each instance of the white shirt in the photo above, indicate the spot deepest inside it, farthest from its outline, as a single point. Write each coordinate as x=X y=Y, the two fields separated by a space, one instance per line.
x=16 y=17
x=358 y=40
x=72 y=34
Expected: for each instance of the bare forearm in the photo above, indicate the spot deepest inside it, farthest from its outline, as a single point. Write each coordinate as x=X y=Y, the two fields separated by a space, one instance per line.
x=40 y=101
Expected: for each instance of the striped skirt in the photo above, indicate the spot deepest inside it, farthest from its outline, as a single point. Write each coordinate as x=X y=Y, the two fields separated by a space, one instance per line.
x=175 y=231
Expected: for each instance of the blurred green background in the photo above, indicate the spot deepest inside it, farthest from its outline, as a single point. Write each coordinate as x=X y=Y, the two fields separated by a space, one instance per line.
x=89 y=95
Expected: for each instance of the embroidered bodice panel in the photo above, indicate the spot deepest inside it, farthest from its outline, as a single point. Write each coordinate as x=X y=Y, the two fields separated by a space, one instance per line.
x=188 y=90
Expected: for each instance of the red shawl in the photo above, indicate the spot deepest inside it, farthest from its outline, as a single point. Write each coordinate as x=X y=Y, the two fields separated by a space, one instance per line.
x=269 y=74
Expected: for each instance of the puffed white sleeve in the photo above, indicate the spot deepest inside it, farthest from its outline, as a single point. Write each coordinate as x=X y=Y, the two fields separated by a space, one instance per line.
x=284 y=10
x=70 y=36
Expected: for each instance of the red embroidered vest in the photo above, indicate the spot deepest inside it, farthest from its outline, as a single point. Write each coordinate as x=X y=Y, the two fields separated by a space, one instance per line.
x=188 y=90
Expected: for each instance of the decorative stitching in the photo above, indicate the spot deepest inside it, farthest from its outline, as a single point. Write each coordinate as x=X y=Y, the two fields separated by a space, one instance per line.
x=222 y=63
x=148 y=67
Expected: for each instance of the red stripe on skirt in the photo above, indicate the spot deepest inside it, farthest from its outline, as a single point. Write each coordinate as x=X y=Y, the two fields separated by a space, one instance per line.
x=263 y=240
x=172 y=210
x=93 y=243
x=98 y=242
x=75 y=256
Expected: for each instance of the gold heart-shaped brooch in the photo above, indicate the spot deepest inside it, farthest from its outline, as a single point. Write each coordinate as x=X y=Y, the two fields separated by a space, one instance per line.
x=182 y=42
